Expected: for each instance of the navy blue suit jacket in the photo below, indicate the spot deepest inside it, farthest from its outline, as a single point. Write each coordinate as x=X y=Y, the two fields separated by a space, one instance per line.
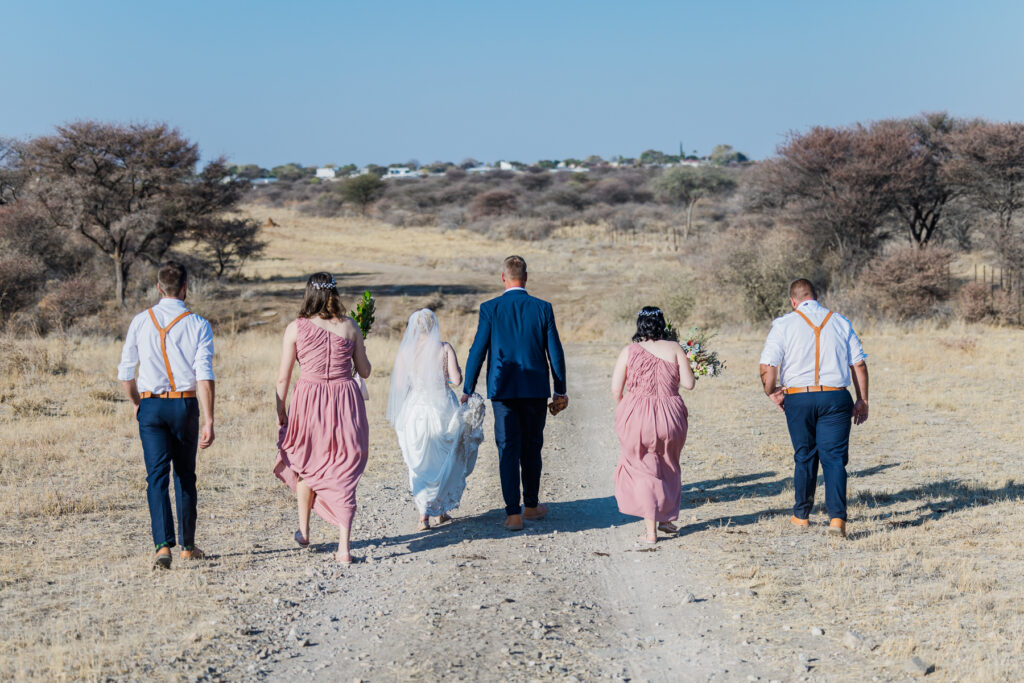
x=518 y=337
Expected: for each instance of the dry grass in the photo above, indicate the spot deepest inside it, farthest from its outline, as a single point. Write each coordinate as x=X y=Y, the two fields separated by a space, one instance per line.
x=932 y=567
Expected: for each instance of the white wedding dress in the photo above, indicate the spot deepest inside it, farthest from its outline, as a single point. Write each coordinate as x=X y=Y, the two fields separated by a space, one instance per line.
x=438 y=437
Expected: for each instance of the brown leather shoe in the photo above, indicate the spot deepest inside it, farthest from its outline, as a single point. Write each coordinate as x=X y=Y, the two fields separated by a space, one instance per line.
x=192 y=554
x=837 y=527
x=162 y=560
x=536 y=513
x=796 y=521
x=514 y=523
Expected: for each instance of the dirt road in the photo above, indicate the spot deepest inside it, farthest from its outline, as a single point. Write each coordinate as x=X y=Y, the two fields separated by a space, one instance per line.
x=573 y=595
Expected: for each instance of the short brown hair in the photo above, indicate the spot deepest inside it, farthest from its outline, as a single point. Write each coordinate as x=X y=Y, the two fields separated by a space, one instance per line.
x=171 y=277
x=515 y=268
x=321 y=299
x=801 y=289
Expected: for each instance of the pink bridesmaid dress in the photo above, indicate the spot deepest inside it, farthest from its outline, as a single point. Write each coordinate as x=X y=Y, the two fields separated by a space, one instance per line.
x=651 y=423
x=327 y=436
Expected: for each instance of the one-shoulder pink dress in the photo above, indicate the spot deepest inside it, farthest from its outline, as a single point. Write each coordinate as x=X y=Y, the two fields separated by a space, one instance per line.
x=651 y=423
x=327 y=436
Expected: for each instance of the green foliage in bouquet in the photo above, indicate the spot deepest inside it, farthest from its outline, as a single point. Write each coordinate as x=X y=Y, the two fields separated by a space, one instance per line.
x=703 y=361
x=363 y=315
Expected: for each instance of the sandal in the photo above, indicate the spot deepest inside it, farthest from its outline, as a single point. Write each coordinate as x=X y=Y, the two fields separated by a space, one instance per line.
x=644 y=539
x=303 y=542
x=668 y=528
x=444 y=519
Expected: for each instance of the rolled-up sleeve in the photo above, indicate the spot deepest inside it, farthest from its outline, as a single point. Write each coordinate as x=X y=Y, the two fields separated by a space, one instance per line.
x=203 y=365
x=129 y=354
x=773 y=346
x=856 y=349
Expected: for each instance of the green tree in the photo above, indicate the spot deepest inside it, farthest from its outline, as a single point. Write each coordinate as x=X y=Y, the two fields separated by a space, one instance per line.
x=363 y=190
x=291 y=172
x=723 y=155
x=687 y=186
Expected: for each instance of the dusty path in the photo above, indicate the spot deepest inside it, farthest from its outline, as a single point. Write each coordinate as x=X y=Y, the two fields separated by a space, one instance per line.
x=573 y=595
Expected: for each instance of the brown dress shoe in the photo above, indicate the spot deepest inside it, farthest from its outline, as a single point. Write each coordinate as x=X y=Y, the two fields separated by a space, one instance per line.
x=193 y=553
x=162 y=560
x=796 y=521
x=837 y=527
x=514 y=523
x=538 y=512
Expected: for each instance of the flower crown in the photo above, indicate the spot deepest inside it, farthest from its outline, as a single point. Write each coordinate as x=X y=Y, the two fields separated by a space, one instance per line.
x=333 y=284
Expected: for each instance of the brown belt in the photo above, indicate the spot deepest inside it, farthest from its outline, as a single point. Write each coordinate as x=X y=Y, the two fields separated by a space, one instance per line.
x=816 y=387
x=169 y=394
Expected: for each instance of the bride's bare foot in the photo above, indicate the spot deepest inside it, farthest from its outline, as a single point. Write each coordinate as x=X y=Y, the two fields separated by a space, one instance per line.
x=342 y=558
x=424 y=524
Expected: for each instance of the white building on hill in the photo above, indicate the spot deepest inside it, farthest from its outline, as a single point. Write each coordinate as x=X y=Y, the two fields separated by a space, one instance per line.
x=326 y=173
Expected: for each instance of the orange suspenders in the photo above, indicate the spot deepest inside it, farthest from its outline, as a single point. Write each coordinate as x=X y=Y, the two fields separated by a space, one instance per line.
x=817 y=355
x=163 y=341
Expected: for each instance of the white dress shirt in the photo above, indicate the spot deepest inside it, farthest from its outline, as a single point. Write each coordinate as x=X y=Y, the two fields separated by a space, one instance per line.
x=189 y=349
x=790 y=347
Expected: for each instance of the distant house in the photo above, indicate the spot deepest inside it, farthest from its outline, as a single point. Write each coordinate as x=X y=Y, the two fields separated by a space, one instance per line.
x=506 y=166
x=326 y=173
x=401 y=172
x=263 y=181
x=480 y=169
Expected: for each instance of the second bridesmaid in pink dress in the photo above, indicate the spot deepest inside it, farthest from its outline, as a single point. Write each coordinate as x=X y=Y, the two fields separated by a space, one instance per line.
x=324 y=436
x=650 y=420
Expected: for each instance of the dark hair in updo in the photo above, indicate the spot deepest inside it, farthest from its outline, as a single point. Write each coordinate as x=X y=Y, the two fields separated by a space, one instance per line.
x=651 y=326
x=321 y=299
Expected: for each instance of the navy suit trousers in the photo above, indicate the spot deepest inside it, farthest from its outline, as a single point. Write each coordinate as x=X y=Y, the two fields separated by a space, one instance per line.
x=519 y=433
x=819 y=427
x=169 y=429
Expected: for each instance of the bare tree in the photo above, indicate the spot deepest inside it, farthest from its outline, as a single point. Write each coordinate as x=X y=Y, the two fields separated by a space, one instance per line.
x=922 y=186
x=989 y=163
x=231 y=242
x=836 y=185
x=687 y=186
x=12 y=172
x=129 y=190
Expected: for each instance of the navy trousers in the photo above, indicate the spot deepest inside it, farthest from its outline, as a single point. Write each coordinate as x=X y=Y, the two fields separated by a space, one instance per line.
x=819 y=427
x=169 y=429
x=519 y=433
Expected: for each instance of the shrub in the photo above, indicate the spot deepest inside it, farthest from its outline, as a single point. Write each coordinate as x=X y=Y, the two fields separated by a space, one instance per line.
x=758 y=266
x=566 y=195
x=910 y=282
x=974 y=302
x=69 y=301
x=535 y=181
x=451 y=217
x=21 y=277
x=493 y=203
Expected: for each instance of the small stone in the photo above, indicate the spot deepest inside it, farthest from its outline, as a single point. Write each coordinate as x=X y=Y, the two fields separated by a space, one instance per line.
x=918 y=667
x=538 y=634
x=816 y=631
x=688 y=598
x=738 y=615
x=854 y=640
x=750 y=593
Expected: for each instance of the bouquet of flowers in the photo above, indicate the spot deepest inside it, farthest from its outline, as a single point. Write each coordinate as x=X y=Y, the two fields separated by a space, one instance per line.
x=363 y=315
x=703 y=361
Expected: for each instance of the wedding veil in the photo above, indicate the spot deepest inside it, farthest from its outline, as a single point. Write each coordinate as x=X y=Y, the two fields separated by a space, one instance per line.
x=419 y=365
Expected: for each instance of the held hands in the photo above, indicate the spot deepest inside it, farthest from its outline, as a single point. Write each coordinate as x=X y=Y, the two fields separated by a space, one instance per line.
x=206 y=436
x=860 y=412
x=463 y=399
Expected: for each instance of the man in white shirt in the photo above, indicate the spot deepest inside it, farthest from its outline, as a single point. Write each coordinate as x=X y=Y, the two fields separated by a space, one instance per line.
x=173 y=350
x=814 y=355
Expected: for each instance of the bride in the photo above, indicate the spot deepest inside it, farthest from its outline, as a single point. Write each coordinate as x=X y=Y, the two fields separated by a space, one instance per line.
x=439 y=439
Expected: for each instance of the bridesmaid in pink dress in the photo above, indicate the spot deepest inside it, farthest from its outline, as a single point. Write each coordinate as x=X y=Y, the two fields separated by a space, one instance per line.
x=650 y=420
x=324 y=437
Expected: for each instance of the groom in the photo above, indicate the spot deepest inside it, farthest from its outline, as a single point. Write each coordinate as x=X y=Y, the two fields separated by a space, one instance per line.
x=517 y=335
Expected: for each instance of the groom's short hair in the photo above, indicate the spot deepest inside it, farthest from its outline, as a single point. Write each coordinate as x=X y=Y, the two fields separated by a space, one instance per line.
x=515 y=268
x=801 y=289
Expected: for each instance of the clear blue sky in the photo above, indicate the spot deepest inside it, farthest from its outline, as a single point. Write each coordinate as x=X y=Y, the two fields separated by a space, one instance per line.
x=390 y=80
